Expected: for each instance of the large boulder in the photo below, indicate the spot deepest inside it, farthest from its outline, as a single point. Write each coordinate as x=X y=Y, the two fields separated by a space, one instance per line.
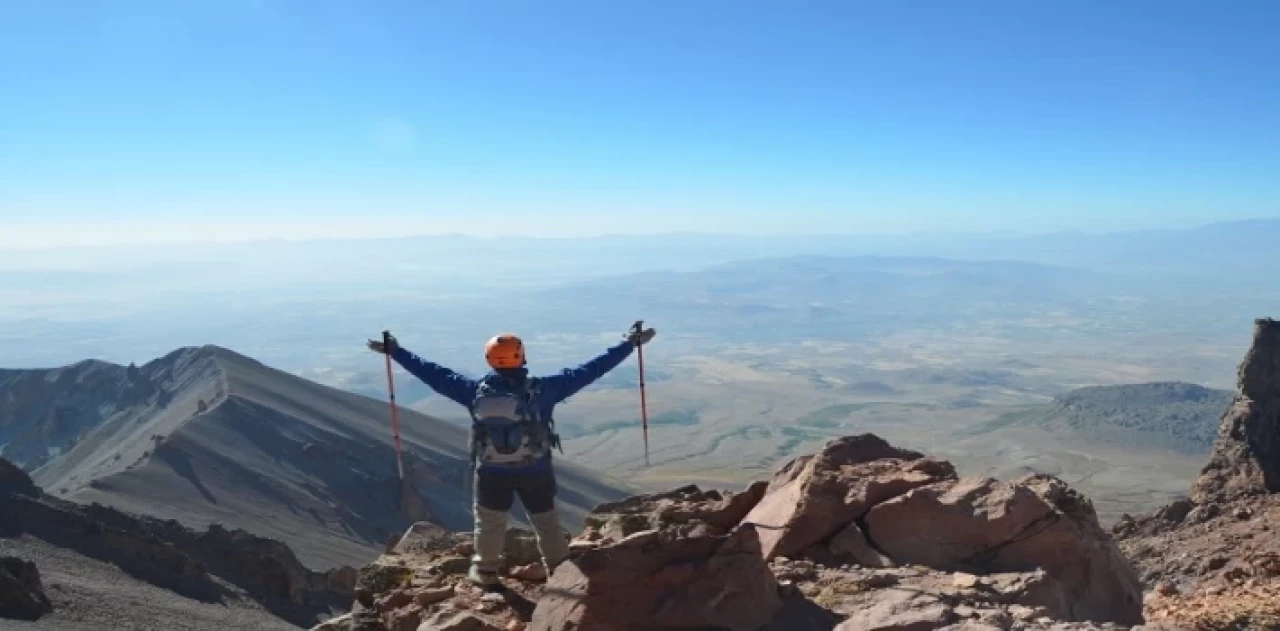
x=21 y=592
x=1034 y=523
x=662 y=579
x=815 y=497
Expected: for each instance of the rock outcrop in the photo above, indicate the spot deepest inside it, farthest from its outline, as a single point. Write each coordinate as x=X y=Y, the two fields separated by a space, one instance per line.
x=1246 y=456
x=861 y=535
x=1212 y=561
x=21 y=593
x=813 y=497
x=15 y=481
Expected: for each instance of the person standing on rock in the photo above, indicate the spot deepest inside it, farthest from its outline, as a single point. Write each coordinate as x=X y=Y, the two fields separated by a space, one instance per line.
x=512 y=436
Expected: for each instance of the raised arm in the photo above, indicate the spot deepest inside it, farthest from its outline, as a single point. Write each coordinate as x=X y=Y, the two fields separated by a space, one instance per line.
x=569 y=381
x=458 y=388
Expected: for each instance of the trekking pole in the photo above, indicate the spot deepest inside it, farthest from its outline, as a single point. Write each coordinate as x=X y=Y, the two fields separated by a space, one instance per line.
x=391 y=390
x=644 y=408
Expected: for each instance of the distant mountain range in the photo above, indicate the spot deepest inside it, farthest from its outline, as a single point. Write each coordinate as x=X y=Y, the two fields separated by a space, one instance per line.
x=205 y=436
x=558 y=259
x=1177 y=416
x=795 y=297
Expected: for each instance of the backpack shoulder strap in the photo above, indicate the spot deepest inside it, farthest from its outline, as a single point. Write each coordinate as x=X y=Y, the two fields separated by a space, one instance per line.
x=533 y=386
x=529 y=395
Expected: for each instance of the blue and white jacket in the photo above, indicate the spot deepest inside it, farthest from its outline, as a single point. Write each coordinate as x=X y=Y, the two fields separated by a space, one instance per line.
x=553 y=389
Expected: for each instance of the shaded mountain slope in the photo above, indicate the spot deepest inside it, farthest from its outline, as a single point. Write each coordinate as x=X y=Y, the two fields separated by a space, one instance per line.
x=99 y=567
x=1180 y=417
x=221 y=438
x=43 y=412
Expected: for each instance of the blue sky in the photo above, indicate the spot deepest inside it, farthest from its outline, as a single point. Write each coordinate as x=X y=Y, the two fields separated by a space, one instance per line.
x=130 y=120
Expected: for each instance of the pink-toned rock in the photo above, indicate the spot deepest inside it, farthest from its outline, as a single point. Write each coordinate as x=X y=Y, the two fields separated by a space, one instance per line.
x=457 y=622
x=406 y=619
x=428 y=597
x=532 y=573
x=659 y=579
x=814 y=497
x=718 y=512
x=897 y=609
x=1035 y=522
x=950 y=523
x=394 y=600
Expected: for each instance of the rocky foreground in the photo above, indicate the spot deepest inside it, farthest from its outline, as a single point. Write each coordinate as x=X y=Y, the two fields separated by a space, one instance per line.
x=860 y=536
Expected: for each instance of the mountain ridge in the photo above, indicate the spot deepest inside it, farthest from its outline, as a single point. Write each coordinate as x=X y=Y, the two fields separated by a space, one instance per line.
x=209 y=436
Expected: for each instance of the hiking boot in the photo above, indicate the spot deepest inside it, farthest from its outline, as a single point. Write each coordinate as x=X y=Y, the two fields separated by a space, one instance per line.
x=483 y=578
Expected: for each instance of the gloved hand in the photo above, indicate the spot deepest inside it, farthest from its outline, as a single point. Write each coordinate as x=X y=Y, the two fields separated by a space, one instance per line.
x=378 y=347
x=638 y=335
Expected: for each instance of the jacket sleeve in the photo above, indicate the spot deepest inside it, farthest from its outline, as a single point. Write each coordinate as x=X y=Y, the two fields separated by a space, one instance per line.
x=458 y=388
x=569 y=381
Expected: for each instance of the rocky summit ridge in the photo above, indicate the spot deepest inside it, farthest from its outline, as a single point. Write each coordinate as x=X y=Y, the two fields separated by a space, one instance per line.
x=861 y=535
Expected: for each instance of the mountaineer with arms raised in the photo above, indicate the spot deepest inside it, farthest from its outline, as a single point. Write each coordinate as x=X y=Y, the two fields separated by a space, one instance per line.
x=512 y=436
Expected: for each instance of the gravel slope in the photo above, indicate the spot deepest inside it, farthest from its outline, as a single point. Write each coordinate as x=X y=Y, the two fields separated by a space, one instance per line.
x=91 y=595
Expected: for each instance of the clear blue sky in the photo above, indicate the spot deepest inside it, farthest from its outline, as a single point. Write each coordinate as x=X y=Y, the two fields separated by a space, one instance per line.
x=223 y=117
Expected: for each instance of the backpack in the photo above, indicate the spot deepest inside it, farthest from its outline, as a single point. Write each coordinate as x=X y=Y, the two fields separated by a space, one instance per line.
x=506 y=428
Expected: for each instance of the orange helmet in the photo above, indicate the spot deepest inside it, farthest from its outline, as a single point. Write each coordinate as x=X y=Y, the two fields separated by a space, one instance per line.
x=504 y=351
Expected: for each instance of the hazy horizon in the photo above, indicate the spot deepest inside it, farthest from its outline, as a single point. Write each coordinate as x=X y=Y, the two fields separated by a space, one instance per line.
x=231 y=234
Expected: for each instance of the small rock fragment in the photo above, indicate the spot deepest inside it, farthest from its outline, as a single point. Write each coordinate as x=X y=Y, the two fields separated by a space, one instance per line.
x=455 y=566
x=428 y=597
x=406 y=619
x=394 y=600
x=532 y=573
x=457 y=622
x=964 y=580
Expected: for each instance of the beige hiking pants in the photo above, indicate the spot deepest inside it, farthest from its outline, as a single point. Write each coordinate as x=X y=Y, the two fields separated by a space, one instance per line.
x=494 y=498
